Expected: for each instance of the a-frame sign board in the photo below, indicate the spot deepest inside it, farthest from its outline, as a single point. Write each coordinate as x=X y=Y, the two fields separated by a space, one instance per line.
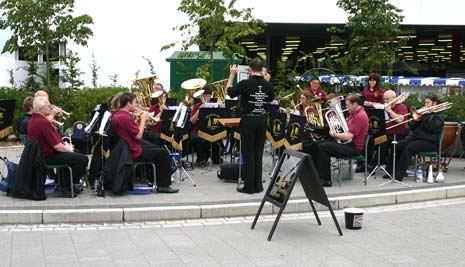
x=294 y=165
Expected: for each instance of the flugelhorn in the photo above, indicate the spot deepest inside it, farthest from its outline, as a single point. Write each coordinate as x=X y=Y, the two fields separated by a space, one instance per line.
x=417 y=113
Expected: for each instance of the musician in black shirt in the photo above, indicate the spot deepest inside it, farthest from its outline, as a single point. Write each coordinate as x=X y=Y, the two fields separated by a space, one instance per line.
x=254 y=92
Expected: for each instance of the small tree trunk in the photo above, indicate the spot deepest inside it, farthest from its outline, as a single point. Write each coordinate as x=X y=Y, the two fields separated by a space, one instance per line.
x=212 y=77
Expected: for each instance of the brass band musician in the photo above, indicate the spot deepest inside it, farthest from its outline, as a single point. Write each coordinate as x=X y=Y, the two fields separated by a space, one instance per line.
x=124 y=127
x=315 y=88
x=353 y=140
x=202 y=147
x=425 y=136
x=154 y=130
x=373 y=93
x=396 y=113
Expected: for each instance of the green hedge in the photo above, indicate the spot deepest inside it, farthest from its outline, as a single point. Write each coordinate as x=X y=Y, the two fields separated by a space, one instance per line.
x=80 y=103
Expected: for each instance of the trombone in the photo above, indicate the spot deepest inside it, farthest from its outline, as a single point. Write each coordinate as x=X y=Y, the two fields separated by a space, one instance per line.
x=416 y=114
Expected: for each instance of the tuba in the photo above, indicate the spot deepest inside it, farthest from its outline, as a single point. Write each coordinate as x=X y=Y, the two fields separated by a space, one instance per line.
x=335 y=118
x=145 y=86
x=220 y=91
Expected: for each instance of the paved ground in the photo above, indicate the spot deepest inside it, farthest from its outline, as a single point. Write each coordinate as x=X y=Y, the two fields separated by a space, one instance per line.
x=210 y=190
x=419 y=234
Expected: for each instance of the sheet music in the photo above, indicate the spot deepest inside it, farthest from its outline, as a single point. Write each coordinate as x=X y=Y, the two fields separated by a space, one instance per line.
x=181 y=120
x=92 y=122
x=106 y=117
x=210 y=105
x=177 y=113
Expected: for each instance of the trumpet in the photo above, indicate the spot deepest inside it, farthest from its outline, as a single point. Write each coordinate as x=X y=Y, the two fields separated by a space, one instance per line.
x=60 y=110
x=57 y=123
x=416 y=114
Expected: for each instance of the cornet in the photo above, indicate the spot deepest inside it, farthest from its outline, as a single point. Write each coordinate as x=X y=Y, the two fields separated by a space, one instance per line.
x=58 y=109
x=151 y=119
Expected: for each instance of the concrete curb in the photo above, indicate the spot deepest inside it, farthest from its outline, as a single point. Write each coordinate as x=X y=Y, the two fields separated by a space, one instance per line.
x=38 y=216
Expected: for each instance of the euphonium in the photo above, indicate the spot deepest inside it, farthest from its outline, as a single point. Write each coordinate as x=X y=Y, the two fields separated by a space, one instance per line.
x=146 y=87
x=335 y=118
x=220 y=91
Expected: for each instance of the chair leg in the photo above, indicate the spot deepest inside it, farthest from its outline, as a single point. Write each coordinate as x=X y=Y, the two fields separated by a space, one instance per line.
x=71 y=181
x=339 y=174
x=154 y=175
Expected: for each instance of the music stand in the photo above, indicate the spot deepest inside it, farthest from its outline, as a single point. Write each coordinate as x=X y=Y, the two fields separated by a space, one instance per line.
x=210 y=129
x=176 y=123
x=377 y=129
x=393 y=177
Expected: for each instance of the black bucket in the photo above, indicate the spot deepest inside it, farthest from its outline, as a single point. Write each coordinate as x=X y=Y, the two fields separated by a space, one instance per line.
x=353 y=218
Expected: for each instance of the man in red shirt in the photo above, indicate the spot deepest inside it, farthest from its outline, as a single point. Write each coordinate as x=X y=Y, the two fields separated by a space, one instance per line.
x=396 y=115
x=124 y=126
x=315 y=89
x=53 y=149
x=322 y=151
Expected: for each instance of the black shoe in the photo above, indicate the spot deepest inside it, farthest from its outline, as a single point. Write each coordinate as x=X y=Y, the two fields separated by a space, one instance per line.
x=167 y=189
x=259 y=191
x=326 y=183
x=360 y=168
x=242 y=190
x=63 y=192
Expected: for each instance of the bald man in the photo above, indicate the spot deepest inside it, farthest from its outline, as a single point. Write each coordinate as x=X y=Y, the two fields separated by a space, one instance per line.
x=397 y=114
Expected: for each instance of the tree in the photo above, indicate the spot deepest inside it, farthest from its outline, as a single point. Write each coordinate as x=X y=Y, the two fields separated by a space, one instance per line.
x=114 y=79
x=215 y=26
x=151 y=68
x=372 y=30
x=11 y=77
x=32 y=73
x=94 y=69
x=40 y=24
x=71 y=73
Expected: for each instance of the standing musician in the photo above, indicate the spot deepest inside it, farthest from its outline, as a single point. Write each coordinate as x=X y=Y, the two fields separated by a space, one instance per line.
x=53 y=149
x=153 y=131
x=124 y=127
x=322 y=151
x=202 y=147
x=255 y=92
x=396 y=113
x=315 y=89
x=425 y=136
x=373 y=93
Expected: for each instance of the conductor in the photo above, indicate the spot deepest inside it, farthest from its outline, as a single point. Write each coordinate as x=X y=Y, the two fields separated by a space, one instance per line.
x=255 y=92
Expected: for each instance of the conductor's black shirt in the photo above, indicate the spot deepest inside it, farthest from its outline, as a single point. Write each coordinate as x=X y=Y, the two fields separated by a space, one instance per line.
x=255 y=92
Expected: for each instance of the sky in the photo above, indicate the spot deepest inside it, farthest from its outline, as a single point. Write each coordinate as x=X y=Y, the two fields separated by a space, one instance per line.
x=126 y=31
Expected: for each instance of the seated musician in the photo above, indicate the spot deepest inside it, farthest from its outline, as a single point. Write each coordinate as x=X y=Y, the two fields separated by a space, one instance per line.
x=154 y=130
x=124 y=127
x=53 y=149
x=27 y=106
x=307 y=111
x=425 y=137
x=373 y=93
x=322 y=151
x=202 y=147
x=315 y=89
x=396 y=113
x=158 y=87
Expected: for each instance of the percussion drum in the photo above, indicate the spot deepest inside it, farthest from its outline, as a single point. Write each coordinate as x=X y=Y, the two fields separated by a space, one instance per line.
x=450 y=134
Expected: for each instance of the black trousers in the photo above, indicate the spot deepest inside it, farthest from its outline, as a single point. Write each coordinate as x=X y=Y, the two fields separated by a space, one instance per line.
x=203 y=148
x=253 y=129
x=154 y=138
x=322 y=151
x=77 y=162
x=160 y=157
x=408 y=147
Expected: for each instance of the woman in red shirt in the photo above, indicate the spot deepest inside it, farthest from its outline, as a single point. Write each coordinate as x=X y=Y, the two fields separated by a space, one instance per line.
x=373 y=93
